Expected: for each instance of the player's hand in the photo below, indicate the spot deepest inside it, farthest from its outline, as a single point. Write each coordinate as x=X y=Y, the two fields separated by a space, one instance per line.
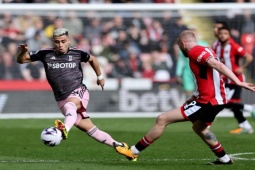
x=248 y=86
x=192 y=98
x=101 y=83
x=239 y=70
x=23 y=48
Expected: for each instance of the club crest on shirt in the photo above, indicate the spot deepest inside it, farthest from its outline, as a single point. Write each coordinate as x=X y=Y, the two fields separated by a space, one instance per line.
x=70 y=58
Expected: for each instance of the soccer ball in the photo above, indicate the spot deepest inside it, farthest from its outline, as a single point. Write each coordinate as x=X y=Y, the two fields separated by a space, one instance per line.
x=51 y=136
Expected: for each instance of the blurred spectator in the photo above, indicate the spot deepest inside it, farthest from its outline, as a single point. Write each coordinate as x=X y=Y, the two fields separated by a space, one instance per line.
x=147 y=69
x=134 y=62
x=12 y=32
x=248 y=32
x=135 y=21
x=6 y=18
x=160 y=66
x=49 y=18
x=121 y=69
x=164 y=1
x=74 y=24
x=154 y=29
x=37 y=41
x=33 y=71
x=9 y=69
x=144 y=42
x=117 y=26
x=165 y=56
x=4 y=39
x=172 y=33
x=83 y=44
x=166 y=20
x=23 y=22
x=93 y=29
x=12 y=49
x=37 y=26
x=134 y=38
x=122 y=44
x=107 y=43
x=57 y=23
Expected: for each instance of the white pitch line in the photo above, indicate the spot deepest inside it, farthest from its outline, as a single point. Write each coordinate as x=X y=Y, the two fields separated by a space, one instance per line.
x=235 y=156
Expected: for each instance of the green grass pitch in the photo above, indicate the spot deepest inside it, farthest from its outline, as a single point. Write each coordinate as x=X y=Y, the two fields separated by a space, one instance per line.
x=179 y=148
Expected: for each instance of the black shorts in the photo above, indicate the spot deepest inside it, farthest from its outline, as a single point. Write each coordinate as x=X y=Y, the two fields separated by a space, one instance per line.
x=198 y=111
x=233 y=92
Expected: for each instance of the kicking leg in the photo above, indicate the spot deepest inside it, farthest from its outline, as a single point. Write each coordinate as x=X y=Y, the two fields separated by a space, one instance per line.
x=87 y=126
x=156 y=132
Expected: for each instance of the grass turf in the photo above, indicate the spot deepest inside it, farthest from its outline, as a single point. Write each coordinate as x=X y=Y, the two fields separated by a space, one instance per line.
x=178 y=148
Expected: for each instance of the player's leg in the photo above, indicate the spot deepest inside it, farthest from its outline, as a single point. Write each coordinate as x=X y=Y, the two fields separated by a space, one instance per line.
x=85 y=124
x=83 y=121
x=210 y=139
x=69 y=107
x=234 y=104
x=157 y=130
x=244 y=125
x=205 y=116
x=69 y=110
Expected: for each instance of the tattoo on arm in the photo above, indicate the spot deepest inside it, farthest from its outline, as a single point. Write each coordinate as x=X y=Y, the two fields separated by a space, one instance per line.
x=210 y=136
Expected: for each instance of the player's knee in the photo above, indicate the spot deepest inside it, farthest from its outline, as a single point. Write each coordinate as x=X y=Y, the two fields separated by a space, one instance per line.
x=161 y=119
x=70 y=105
x=199 y=128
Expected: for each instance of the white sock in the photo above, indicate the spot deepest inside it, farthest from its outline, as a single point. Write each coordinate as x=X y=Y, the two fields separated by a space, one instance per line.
x=248 y=108
x=67 y=128
x=134 y=150
x=245 y=125
x=225 y=158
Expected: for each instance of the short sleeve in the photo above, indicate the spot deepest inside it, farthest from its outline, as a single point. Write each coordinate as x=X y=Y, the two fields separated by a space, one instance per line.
x=201 y=54
x=240 y=51
x=36 y=55
x=84 y=56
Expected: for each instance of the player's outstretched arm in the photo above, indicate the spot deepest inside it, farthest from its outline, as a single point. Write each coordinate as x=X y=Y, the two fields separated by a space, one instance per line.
x=95 y=65
x=248 y=59
x=23 y=56
x=220 y=67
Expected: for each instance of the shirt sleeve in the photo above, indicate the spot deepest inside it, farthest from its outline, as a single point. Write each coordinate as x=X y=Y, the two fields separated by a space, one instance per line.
x=202 y=55
x=36 y=55
x=240 y=51
x=84 y=56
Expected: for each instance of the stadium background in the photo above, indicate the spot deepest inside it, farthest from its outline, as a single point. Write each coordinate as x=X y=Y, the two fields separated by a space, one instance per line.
x=135 y=44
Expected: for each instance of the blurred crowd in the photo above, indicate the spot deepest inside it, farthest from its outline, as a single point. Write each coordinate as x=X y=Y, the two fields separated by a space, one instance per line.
x=228 y=1
x=137 y=46
x=120 y=1
x=88 y=1
x=126 y=47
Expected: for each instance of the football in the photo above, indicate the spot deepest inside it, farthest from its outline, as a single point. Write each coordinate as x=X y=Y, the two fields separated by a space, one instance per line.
x=51 y=136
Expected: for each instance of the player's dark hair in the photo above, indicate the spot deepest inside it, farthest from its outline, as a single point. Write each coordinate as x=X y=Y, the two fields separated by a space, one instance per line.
x=224 y=23
x=224 y=28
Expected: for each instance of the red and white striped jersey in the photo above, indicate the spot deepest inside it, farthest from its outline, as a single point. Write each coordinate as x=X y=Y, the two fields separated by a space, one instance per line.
x=230 y=55
x=210 y=85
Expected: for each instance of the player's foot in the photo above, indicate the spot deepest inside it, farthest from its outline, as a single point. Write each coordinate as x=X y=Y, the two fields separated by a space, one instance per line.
x=125 y=150
x=61 y=126
x=218 y=162
x=241 y=131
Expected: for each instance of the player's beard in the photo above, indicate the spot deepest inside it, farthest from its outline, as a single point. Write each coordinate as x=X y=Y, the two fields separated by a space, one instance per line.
x=223 y=41
x=185 y=53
